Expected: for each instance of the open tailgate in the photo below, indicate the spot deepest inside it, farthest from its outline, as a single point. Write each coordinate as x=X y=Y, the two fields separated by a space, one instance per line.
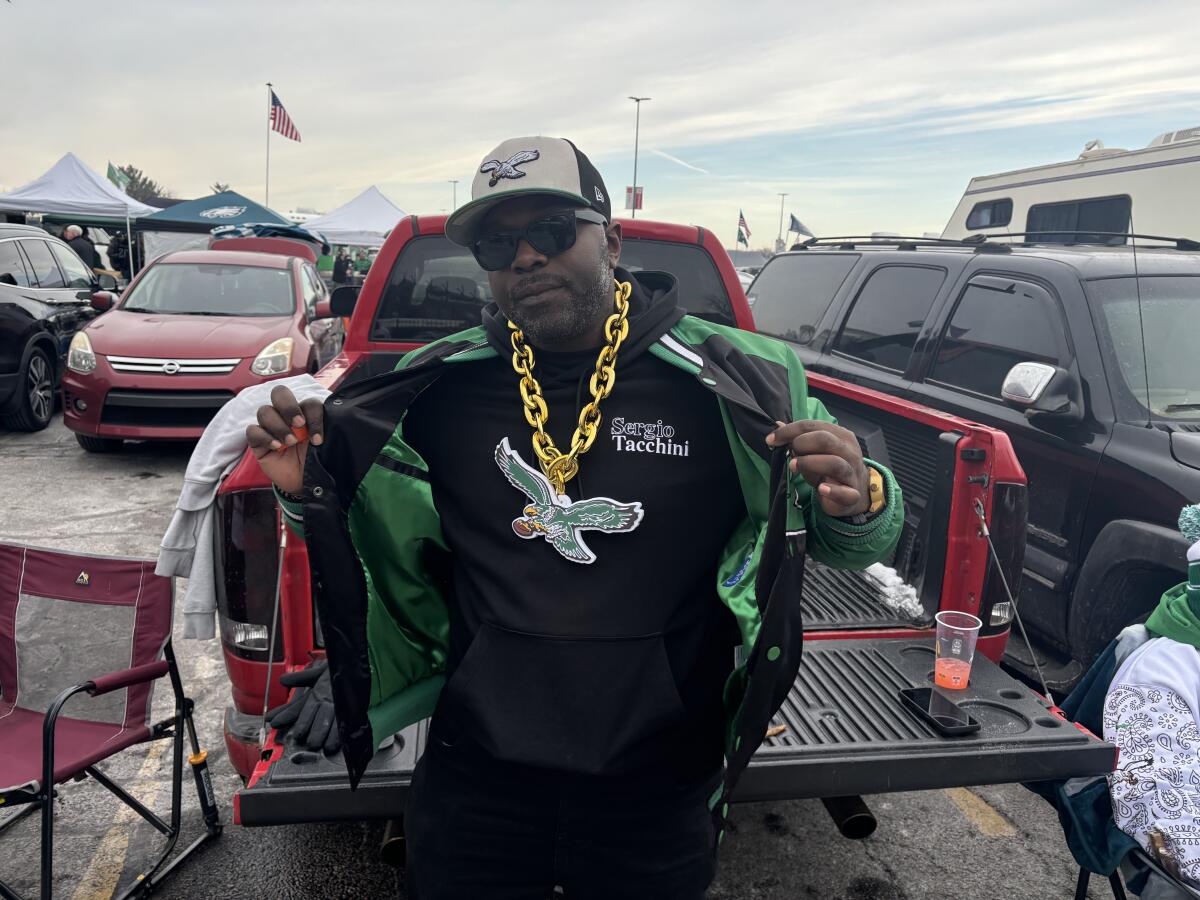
x=847 y=733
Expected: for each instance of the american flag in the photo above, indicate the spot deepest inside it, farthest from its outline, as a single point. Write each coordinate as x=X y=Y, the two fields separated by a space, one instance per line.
x=741 y=221
x=281 y=121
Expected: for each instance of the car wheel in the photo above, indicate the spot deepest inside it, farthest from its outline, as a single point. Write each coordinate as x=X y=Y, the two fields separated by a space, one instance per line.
x=35 y=395
x=98 y=444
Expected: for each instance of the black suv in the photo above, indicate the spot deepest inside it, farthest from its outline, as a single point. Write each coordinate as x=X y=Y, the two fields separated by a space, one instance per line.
x=1085 y=356
x=45 y=297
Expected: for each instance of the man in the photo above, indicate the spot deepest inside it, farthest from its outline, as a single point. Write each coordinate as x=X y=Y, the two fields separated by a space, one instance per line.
x=341 y=265
x=83 y=248
x=1152 y=713
x=551 y=532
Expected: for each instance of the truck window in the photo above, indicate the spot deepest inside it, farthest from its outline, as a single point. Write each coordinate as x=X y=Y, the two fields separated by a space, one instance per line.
x=701 y=291
x=990 y=214
x=792 y=293
x=1079 y=221
x=888 y=313
x=436 y=288
x=998 y=323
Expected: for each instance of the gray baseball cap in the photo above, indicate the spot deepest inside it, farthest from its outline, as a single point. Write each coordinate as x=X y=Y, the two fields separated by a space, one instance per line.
x=524 y=166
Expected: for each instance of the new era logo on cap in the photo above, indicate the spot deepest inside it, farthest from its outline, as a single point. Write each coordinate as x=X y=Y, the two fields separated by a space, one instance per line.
x=523 y=166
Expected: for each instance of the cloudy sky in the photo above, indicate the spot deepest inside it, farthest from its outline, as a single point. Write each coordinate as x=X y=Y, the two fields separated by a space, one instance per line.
x=870 y=116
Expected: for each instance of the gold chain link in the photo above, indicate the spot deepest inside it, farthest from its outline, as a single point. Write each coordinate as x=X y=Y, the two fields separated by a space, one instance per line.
x=561 y=467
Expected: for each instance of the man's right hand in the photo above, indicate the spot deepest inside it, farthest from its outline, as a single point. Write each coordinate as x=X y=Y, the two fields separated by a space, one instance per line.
x=280 y=454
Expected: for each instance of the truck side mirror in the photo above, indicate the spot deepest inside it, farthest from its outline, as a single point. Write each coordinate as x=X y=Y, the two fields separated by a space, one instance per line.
x=106 y=282
x=342 y=300
x=1047 y=394
x=322 y=310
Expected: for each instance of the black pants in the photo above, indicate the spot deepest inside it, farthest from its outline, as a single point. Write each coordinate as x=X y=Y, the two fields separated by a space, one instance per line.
x=481 y=829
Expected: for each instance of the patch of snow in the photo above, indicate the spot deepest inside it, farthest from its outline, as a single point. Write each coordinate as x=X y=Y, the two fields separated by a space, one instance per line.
x=895 y=593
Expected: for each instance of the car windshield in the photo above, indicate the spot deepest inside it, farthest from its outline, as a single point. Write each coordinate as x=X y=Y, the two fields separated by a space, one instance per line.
x=1149 y=354
x=212 y=290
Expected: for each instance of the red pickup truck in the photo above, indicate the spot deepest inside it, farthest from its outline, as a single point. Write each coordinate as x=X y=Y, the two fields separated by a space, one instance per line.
x=843 y=731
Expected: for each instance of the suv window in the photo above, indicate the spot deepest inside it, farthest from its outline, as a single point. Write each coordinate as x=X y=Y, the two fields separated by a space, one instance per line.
x=12 y=267
x=998 y=323
x=1079 y=221
x=792 y=293
x=308 y=289
x=45 y=269
x=888 y=314
x=436 y=288
x=990 y=214
x=78 y=275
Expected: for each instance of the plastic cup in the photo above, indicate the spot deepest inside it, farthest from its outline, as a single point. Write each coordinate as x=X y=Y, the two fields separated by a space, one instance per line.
x=956 y=636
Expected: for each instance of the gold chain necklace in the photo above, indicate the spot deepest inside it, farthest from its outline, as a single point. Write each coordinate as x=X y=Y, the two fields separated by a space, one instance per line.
x=561 y=467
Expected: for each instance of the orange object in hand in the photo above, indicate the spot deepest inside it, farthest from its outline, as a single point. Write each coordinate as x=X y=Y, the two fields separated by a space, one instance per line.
x=301 y=435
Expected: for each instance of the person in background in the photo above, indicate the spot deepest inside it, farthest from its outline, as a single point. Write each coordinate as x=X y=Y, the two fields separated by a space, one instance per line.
x=1152 y=713
x=341 y=266
x=83 y=247
x=118 y=254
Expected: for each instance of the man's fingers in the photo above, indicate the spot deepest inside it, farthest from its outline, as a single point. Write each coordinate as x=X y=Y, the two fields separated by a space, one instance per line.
x=822 y=468
x=284 y=402
x=786 y=433
x=272 y=422
x=313 y=411
x=260 y=441
x=839 y=499
x=819 y=442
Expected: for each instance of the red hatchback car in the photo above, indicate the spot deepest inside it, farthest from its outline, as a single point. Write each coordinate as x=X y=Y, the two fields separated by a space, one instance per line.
x=191 y=331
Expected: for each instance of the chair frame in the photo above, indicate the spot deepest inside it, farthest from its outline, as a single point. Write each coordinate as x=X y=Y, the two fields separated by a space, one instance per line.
x=1141 y=858
x=173 y=727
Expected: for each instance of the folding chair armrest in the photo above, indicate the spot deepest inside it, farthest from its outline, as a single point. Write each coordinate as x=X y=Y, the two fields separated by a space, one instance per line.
x=114 y=681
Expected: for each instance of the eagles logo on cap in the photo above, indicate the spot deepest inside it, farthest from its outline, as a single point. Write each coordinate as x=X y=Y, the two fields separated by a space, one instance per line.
x=508 y=168
x=529 y=166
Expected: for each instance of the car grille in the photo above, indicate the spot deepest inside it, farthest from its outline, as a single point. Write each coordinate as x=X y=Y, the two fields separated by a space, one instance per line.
x=151 y=366
x=163 y=409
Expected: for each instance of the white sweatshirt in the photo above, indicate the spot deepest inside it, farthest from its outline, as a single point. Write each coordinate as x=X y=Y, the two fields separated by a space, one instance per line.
x=1150 y=713
x=187 y=547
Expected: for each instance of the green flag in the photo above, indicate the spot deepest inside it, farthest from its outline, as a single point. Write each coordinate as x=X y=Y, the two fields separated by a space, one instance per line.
x=741 y=238
x=117 y=177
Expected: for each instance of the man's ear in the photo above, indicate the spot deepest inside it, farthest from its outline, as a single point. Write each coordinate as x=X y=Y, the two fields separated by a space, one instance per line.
x=612 y=236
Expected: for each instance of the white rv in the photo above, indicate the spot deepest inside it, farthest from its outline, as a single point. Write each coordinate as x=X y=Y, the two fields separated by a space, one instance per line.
x=1155 y=190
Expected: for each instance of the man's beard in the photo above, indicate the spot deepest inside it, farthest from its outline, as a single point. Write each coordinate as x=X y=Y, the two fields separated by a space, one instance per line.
x=571 y=320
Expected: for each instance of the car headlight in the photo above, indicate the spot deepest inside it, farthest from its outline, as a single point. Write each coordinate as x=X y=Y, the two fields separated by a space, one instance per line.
x=80 y=357
x=274 y=359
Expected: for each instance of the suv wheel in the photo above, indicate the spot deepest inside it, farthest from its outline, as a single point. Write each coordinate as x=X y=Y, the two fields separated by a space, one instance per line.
x=98 y=444
x=35 y=395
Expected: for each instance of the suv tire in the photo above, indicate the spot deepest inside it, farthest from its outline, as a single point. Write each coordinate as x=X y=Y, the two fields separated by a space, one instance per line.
x=98 y=444
x=34 y=400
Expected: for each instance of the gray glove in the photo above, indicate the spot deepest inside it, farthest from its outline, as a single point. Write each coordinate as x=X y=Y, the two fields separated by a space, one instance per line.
x=309 y=715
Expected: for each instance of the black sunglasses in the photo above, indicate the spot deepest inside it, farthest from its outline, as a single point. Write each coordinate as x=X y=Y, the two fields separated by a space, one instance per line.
x=550 y=235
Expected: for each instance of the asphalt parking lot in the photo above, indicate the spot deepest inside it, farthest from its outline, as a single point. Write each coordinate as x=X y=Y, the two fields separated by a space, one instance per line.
x=996 y=842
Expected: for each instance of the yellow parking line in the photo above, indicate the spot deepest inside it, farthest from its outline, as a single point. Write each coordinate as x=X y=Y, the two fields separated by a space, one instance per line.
x=979 y=813
x=103 y=874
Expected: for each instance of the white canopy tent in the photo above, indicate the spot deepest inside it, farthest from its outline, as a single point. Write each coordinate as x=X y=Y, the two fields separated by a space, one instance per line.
x=70 y=188
x=362 y=222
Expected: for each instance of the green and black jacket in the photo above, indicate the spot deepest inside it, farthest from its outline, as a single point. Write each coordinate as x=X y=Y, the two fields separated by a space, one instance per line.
x=376 y=536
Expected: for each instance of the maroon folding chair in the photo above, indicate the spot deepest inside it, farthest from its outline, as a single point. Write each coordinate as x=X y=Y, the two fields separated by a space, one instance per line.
x=101 y=626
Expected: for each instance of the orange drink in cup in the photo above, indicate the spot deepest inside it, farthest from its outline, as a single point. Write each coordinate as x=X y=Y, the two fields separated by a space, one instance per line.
x=957 y=633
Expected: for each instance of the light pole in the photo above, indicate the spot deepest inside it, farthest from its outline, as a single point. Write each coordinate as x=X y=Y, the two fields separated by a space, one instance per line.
x=454 y=181
x=637 y=124
x=780 y=240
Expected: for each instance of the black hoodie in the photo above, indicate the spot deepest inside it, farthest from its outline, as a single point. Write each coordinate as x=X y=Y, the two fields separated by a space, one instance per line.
x=611 y=667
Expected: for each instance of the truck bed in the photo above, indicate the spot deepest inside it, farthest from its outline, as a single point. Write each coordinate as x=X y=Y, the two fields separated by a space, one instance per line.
x=846 y=733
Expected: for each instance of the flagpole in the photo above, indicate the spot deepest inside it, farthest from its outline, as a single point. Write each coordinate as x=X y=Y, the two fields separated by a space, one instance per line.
x=267 y=191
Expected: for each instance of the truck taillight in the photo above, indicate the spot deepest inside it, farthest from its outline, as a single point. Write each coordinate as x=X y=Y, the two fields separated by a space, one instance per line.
x=247 y=558
x=1007 y=523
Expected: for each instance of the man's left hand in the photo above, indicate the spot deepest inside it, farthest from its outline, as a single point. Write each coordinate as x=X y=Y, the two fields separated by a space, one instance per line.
x=828 y=458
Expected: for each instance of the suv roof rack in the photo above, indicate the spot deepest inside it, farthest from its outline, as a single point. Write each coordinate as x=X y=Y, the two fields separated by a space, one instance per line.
x=1181 y=243
x=987 y=243
x=849 y=242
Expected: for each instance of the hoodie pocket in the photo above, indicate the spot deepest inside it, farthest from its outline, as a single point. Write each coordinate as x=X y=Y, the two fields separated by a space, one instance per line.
x=587 y=705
